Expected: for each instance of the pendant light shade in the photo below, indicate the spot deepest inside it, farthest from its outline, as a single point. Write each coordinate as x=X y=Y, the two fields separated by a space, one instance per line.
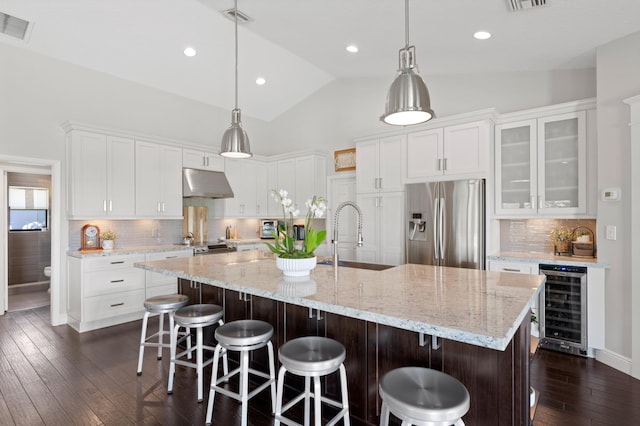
x=235 y=142
x=408 y=99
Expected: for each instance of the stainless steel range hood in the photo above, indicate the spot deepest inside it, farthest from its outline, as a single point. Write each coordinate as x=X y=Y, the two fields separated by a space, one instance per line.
x=205 y=184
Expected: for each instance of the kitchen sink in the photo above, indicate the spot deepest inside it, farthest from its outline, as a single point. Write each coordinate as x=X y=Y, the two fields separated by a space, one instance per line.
x=359 y=265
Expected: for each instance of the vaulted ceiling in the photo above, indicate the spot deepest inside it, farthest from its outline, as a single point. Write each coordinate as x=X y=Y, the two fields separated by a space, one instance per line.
x=298 y=46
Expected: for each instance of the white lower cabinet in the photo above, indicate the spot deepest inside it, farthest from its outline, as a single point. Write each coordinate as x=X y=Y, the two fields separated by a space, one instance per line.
x=382 y=228
x=160 y=284
x=105 y=291
x=516 y=267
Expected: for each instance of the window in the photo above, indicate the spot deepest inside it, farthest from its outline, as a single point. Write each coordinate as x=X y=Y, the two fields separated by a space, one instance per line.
x=28 y=208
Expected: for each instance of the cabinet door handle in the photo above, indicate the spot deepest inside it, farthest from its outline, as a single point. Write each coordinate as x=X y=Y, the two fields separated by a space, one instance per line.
x=163 y=207
x=117 y=304
x=439 y=165
x=533 y=202
x=117 y=262
x=204 y=160
x=110 y=205
x=540 y=202
x=116 y=281
x=104 y=205
x=444 y=167
x=207 y=161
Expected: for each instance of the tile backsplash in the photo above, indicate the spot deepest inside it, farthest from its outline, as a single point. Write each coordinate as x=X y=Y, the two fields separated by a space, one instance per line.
x=131 y=233
x=533 y=235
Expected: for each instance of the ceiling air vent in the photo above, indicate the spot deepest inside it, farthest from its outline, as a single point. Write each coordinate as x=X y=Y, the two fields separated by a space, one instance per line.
x=231 y=15
x=515 y=5
x=12 y=26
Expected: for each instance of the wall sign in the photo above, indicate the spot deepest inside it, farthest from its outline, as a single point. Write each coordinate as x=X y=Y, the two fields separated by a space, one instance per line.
x=344 y=160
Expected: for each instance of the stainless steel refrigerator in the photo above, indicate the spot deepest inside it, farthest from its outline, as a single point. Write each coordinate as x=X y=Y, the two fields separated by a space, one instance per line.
x=446 y=223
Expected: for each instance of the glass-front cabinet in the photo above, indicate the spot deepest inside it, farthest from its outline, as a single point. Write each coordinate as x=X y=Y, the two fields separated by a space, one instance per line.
x=541 y=166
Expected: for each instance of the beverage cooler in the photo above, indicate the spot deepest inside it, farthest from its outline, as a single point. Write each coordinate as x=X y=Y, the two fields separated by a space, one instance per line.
x=563 y=309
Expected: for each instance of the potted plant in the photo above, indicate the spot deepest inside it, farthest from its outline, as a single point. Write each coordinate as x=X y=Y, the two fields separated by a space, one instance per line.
x=562 y=238
x=297 y=259
x=108 y=239
x=582 y=236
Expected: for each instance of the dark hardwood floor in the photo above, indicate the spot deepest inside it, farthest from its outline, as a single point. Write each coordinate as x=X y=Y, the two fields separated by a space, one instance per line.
x=55 y=376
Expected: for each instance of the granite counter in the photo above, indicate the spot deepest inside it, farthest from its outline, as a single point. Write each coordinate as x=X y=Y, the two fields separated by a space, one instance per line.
x=471 y=306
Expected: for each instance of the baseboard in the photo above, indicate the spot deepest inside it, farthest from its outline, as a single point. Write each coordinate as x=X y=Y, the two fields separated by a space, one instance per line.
x=614 y=360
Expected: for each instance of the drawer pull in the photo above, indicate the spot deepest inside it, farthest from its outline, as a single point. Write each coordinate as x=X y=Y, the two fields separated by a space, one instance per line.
x=171 y=257
x=117 y=304
x=510 y=270
x=117 y=262
x=116 y=281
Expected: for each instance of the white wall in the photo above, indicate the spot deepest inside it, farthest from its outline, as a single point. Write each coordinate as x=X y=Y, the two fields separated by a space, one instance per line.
x=349 y=108
x=618 y=65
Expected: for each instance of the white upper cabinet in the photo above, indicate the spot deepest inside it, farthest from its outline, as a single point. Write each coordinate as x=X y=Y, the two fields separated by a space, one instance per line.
x=101 y=176
x=302 y=177
x=379 y=165
x=193 y=159
x=453 y=150
x=382 y=228
x=158 y=181
x=541 y=166
x=248 y=180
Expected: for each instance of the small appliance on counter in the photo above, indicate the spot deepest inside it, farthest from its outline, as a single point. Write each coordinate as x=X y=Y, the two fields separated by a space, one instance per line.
x=268 y=227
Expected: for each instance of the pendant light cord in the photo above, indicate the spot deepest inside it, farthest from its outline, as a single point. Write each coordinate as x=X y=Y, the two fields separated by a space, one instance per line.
x=406 y=23
x=236 y=34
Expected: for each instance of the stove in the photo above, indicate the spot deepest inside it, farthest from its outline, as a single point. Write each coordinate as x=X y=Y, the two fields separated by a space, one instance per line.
x=211 y=248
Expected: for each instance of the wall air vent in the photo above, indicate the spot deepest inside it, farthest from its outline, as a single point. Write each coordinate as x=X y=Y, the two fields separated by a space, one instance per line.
x=231 y=15
x=515 y=5
x=14 y=27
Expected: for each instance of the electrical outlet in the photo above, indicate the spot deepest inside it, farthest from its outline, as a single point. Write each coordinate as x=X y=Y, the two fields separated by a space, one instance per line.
x=611 y=232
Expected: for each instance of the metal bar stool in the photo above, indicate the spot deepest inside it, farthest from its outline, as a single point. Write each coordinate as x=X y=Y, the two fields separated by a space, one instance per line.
x=243 y=336
x=160 y=305
x=194 y=317
x=422 y=396
x=312 y=357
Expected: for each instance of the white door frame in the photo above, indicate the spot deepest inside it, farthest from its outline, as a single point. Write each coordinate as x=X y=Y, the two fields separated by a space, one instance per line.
x=35 y=166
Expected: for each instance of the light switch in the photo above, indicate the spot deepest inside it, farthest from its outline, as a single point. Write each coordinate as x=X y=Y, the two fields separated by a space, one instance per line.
x=611 y=232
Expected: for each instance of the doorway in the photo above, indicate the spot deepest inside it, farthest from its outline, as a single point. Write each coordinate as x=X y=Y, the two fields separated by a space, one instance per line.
x=28 y=240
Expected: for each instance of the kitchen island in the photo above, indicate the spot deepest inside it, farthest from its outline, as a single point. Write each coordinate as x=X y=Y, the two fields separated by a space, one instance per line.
x=471 y=324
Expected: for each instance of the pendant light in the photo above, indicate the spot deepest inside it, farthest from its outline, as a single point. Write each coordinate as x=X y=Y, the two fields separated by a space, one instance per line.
x=408 y=98
x=235 y=142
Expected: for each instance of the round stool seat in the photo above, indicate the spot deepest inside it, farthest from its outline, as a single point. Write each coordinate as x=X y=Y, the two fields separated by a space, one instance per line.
x=424 y=394
x=244 y=333
x=165 y=303
x=312 y=355
x=198 y=315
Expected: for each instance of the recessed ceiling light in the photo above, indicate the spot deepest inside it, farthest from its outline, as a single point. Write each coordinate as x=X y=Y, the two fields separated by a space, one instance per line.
x=482 y=35
x=190 y=51
x=260 y=81
x=352 y=48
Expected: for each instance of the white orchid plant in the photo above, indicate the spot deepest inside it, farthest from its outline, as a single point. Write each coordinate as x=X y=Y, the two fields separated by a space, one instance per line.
x=284 y=242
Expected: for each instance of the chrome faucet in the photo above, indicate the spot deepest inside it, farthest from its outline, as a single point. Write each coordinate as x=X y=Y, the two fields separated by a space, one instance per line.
x=335 y=229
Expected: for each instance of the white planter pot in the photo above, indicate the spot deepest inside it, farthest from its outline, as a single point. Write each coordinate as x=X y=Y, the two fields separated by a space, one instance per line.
x=296 y=267
x=108 y=244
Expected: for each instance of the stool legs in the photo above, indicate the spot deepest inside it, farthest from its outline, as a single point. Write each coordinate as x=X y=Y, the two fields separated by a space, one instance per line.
x=243 y=394
x=143 y=338
x=317 y=400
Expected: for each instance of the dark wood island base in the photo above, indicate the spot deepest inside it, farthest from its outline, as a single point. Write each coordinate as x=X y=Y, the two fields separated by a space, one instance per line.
x=497 y=381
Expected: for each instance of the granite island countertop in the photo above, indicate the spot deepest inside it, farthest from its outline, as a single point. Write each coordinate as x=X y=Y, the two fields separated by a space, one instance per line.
x=477 y=307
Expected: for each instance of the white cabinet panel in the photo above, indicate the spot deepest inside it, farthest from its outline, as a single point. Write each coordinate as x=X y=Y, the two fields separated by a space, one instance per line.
x=515 y=267
x=453 y=150
x=382 y=228
x=379 y=164
x=101 y=175
x=158 y=180
x=105 y=291
x=202 y=160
